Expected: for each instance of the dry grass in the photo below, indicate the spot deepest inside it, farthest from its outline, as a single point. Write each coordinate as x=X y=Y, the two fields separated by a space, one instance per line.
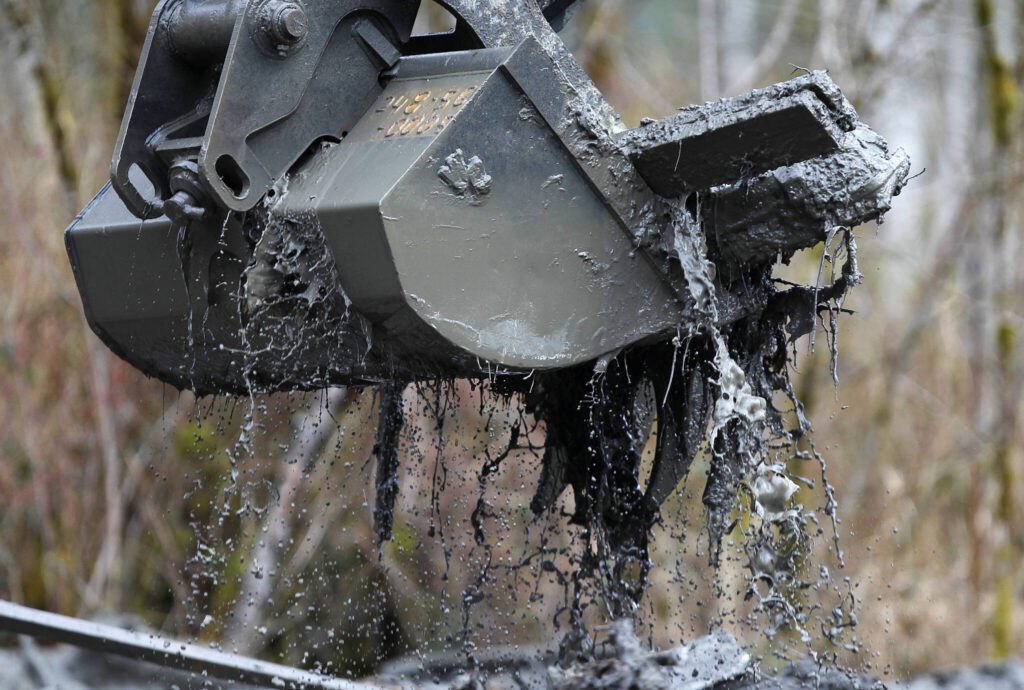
x=117 y=494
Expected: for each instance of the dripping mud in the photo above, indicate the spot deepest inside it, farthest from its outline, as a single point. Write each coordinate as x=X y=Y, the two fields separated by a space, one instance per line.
x=612 y=442
x=415 y=509
x=607 y=454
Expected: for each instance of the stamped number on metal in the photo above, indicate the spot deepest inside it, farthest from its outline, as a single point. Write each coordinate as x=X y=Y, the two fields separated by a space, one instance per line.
x=421 y=112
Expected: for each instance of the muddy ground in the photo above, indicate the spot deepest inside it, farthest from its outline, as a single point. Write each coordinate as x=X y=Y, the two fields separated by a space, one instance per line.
x=714 y=663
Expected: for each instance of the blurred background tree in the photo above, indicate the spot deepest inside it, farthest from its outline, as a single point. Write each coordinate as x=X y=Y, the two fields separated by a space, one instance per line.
x=117 y=494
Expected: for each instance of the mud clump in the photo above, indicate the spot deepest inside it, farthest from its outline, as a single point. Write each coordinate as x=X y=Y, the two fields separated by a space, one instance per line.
x=466 y=177
x=707 y=663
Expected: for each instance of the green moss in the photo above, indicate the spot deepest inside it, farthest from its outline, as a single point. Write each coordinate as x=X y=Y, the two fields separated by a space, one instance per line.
x=1008 y=556
x=405 y=539
x=985 y=12
x=1006 y=342
x=1003 y=92
x=1002 y=621
x=1006 y=346
x=196 y=441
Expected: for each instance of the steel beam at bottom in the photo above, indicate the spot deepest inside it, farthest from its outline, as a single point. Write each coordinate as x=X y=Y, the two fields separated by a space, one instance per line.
x=106 y=639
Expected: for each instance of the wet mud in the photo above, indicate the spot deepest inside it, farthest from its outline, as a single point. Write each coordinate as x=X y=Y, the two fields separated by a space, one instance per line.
x=713 y=199
x=712 y=387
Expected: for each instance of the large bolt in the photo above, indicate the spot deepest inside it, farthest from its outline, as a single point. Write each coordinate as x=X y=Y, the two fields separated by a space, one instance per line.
x=288 y=23
x=182 y=208
x=187 y=196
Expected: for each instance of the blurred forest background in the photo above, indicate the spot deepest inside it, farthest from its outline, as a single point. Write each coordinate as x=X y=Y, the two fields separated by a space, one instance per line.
x=120 y=495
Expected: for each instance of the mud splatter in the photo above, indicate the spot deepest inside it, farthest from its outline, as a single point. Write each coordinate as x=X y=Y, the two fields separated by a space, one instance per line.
x=707 y=663
x=711 y=385
x=466 y=177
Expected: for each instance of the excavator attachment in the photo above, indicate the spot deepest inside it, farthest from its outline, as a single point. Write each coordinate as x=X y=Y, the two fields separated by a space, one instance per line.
x=304 y=194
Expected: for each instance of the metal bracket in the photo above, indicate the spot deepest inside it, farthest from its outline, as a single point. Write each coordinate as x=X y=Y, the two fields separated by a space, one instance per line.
x=321 y=90
x=316 y=65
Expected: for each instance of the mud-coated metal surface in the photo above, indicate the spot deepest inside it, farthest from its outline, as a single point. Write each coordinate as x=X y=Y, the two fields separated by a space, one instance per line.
x=473 y=225
x=204 y=60
x=321 y=90
x=732 y=139
x=320 y=87
x=181 y=307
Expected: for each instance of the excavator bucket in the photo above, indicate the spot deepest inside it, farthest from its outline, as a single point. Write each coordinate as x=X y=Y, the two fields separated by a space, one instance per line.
x=305 y=194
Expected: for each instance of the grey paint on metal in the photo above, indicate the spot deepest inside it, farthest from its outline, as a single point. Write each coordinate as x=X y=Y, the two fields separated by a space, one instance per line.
x=168 y=653
x=574 y=106
x=192 y=97
x=203 y=60
x=539 y=273
x=167 y=96
x=535 y=275
x=200 y=31
x=321 y=90
x=181 y=322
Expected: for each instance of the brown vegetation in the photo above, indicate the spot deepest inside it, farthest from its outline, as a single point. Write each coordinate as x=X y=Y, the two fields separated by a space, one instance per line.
x=117 y=494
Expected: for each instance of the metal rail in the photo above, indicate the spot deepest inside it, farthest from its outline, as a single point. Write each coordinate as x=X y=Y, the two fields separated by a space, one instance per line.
x=106 y=639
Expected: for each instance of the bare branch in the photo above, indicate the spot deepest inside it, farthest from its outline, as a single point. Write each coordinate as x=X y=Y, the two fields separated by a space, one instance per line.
x=312 y=433
x=710 y=71
x=108 y=564
x=771 y=51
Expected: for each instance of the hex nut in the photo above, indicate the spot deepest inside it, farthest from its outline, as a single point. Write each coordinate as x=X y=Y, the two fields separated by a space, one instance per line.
x=285 y=23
